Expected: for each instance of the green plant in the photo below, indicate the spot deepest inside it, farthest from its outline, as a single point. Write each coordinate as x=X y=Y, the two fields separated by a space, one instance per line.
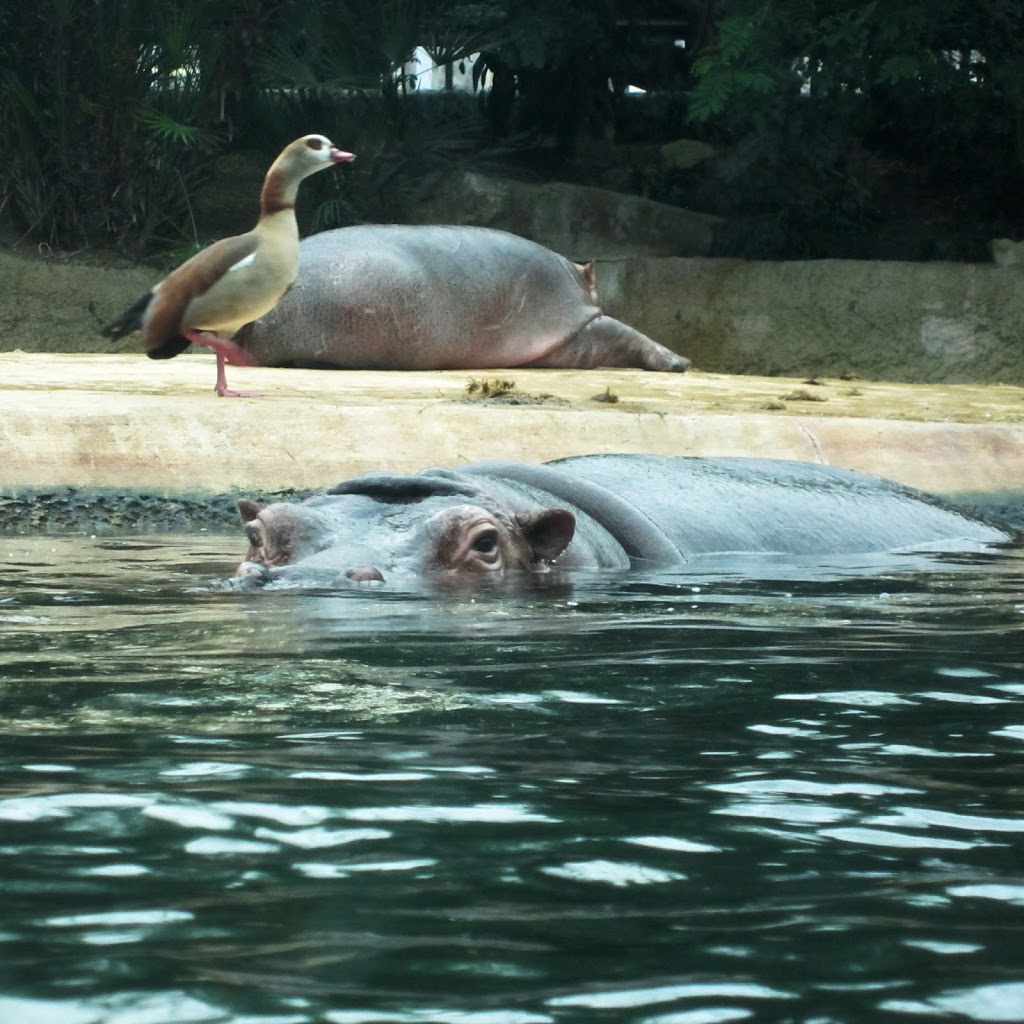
x=105 y=106
x=819 y=103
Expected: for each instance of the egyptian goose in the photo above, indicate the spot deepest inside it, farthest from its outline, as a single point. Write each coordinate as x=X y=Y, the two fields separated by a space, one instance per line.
x=235 y=280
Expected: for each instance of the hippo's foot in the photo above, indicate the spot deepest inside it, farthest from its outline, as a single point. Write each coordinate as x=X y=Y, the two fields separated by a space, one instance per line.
x=605 y=341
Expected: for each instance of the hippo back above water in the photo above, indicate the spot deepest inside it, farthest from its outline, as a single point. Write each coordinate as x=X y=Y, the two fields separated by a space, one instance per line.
x=601 y=511
x=398 y=297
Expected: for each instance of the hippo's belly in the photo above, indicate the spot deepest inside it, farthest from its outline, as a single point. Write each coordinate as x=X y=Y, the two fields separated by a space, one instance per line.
x=392 y=296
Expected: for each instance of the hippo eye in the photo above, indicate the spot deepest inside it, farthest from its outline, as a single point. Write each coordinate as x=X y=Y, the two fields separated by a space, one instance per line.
x=486 y=543
x=254 y=537
x=314 y=143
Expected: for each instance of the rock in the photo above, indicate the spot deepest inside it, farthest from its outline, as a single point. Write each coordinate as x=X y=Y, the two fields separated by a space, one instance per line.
x=1007 y=253
x=682 y=154
x=578 y=221
x=915 y=322
x=59 y=303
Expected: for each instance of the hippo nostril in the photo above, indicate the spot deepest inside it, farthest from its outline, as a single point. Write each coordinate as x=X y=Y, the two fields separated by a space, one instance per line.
x=252 y=574
x=365 y=574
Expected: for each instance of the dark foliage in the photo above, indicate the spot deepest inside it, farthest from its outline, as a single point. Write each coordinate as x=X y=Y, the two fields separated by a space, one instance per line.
x=841 y=127
x=846 y=125
x=106 y=110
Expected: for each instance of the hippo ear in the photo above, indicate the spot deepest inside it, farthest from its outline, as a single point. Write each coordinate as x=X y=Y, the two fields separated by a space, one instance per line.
x=548 y=532
x=589 y=274
x=248 y=510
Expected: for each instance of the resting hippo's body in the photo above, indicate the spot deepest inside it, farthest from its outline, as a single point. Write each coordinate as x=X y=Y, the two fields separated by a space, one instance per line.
x=599 y=511
x=396 y=297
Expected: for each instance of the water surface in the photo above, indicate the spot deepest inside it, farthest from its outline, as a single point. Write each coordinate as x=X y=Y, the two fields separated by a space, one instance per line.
x=769 y=792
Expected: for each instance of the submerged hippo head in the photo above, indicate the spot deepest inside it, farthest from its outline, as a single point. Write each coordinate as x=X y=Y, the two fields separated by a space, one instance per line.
x=375 y=528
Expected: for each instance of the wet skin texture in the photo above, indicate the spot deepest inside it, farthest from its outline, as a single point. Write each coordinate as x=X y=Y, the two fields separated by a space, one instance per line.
x=600 y=511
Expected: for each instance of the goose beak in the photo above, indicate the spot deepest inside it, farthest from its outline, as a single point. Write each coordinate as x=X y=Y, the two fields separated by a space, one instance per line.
x=339 y=156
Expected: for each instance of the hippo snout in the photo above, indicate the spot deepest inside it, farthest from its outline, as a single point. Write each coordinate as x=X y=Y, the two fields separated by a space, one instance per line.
x=252 y=574
x=364 y=574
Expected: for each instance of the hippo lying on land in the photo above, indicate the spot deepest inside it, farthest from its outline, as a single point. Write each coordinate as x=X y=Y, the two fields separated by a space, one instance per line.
x=395 y=297
x=592 y=511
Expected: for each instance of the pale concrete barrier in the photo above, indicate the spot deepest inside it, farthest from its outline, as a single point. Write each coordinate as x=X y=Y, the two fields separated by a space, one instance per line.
x=128 y=423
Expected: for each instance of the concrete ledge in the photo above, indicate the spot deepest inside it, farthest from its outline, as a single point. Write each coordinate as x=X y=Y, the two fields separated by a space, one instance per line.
x=125 y=422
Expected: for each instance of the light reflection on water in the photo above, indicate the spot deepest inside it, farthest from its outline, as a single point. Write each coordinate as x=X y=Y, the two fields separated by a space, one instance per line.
x=684 y=798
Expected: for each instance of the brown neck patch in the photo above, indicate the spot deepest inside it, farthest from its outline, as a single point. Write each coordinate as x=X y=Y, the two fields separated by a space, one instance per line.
x=274 y=197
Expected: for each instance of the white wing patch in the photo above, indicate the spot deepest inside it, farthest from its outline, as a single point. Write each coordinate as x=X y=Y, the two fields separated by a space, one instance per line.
x=242 y=263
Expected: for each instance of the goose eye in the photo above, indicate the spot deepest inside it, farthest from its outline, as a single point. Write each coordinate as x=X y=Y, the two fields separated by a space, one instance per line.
x=314 y=143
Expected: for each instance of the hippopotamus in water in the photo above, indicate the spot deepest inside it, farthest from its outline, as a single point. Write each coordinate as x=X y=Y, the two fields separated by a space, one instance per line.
x=396 y=297
x=594 y=511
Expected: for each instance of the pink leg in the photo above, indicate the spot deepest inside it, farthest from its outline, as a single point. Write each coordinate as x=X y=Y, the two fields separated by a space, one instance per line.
x=221 y=386
x=227 y=352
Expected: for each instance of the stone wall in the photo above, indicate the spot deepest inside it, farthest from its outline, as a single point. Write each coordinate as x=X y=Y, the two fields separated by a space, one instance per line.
x=580 y=222
x=914 y=322
x=59 y=304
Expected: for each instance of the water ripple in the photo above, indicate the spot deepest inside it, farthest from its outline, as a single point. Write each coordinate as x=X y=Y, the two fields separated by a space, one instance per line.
x=117 y=919
x=672 y=843
x=322 y=838
x=1001 y=1002
x=1012 y=894
x=615 y=873
x=898 y=840
x=798 y=783
x=490 y=813
x=437 y=1016
x=631 y=998
x=922 y=817
x=808 y=787
x=791 y=813
x=316 y=870
x=189 y=816
x=227 y=846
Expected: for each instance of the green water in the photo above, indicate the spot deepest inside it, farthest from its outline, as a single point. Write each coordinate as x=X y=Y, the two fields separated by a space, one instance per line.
x=760 y=792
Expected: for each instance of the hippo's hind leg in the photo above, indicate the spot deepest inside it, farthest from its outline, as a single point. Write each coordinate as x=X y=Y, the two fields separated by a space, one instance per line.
x=605 y=341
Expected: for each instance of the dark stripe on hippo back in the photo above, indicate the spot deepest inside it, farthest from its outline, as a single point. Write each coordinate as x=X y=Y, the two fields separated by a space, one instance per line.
x=429 y=483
